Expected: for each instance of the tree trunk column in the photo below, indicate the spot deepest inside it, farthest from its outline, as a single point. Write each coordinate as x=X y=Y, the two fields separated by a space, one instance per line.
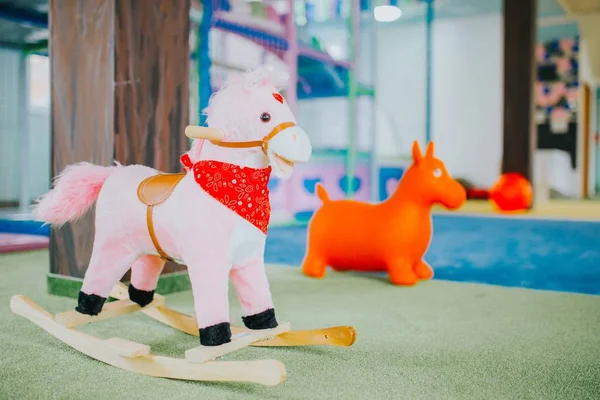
x=119 y=73
x=519 y=73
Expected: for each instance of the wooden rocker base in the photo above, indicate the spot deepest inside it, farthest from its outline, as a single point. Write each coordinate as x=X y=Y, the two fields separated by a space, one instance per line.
x=198 y=364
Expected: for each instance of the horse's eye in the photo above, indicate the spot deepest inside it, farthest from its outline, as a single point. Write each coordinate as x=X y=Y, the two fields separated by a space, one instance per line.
x=437 y=172
x=265 y=117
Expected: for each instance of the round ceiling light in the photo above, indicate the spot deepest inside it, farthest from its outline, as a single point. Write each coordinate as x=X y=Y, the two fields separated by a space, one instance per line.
x=386 y=13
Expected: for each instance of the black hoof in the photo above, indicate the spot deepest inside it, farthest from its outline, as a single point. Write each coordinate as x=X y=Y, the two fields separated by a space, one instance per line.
x=89 y=304
x=141 y=297
x=215 y=335
x=263 y=320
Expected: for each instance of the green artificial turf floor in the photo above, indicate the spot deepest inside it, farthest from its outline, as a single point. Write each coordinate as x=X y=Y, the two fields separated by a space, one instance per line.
x=438 y=340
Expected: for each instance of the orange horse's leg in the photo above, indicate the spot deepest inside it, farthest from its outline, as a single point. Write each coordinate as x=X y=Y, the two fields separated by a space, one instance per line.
x=423 y=270
x=401 y=272
x=314 y=265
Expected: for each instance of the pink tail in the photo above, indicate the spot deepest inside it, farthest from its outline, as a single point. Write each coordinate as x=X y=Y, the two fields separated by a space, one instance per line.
x=76 y=189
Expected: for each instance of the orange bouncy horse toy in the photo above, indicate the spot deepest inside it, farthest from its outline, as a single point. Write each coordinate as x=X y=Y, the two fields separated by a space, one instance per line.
x=389 y=236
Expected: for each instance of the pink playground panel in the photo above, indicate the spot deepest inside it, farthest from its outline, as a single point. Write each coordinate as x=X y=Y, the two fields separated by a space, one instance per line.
x=298 y=194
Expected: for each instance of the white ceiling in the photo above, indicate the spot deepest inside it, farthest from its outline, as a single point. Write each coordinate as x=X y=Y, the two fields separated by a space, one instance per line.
x=552 y=20
x=470 y=8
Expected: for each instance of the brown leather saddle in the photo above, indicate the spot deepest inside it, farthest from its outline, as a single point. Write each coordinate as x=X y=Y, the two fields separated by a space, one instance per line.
x=153 y=191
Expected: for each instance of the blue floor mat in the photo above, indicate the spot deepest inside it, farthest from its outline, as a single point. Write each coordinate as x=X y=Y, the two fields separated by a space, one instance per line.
x=23 y=226
x=535 y=254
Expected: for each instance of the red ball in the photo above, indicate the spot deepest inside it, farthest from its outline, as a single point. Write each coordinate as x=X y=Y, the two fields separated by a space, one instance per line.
x=512 y=192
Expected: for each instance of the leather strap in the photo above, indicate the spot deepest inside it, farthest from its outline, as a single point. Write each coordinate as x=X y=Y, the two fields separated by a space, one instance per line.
x=150 y=224
x=263 y=144
x=153 y=191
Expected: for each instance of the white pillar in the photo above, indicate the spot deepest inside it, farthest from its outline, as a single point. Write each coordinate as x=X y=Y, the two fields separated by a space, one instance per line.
x=24 y=191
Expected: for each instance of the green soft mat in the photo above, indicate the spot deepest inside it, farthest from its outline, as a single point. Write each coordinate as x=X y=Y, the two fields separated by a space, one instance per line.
x=438 y=340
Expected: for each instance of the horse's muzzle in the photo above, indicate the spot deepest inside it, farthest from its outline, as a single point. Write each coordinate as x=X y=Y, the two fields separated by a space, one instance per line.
x=291 y=144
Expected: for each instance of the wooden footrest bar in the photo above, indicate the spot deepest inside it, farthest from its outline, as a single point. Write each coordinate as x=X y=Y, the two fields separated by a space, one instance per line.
x=238 y=341
x=70 y=319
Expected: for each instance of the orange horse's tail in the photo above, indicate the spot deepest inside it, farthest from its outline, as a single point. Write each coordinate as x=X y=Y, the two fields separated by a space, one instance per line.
x=322 y=193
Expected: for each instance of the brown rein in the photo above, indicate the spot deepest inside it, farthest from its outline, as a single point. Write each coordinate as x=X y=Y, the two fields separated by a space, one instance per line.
x=263 y=144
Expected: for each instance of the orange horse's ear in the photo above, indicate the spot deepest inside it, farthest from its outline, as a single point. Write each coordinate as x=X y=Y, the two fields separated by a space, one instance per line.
x=416 y=152
x=429 y=150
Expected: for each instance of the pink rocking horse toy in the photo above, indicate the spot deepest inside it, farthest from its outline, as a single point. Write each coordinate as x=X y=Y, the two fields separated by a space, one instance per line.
x=213 y=217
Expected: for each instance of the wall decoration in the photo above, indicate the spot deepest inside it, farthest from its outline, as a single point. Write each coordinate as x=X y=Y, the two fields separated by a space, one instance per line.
x=556 y=92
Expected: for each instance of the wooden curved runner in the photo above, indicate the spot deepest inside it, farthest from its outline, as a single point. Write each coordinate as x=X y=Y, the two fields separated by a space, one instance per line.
x=136 y=357
x=198 y=364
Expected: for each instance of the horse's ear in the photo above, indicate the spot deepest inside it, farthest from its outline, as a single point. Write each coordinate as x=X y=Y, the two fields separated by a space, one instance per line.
x=429 y=150
x=416 y=152
x=260 y=77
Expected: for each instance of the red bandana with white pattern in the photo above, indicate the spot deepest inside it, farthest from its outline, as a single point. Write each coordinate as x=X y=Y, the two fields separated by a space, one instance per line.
x=241 y=189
